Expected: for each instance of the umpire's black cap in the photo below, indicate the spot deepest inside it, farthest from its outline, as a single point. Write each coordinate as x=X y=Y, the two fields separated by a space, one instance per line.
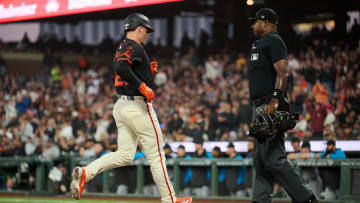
x=134 y=20
x=266 y=14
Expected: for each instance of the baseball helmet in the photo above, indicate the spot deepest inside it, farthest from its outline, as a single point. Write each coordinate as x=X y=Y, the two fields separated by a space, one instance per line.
x=134 y=20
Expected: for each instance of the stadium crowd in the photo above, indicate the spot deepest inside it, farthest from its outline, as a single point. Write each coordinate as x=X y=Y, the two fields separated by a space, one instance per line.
x=60 y=109
x=199 y=96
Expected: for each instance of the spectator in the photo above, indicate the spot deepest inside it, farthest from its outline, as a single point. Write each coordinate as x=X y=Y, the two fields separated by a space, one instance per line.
x=331 y=177
x=89 y=150
x=169 y=154
x=309 y=72
x=295 y=143
x=240 y=62
x=310 y=175
x=175 y=123
x=330 y=119
x=186 y=175
x=327 y=76
x=215 y=154
x=51 y=128
x=22 y=103
x=56 y=74
x=318 y=114
x=298 y=97
x=245 y=111
x=235 y=176
x=301 y=126
x=66 y=130
x=31 y=145
x=200 y=175
x=51 y=151
x=321 y=93
x=225 y=120
x=250 y=148
x=211 y=67
x=102 y=126
x=332 y=152
x=26 y=129
x=294 y=64
x=10 y=110
x=160 y=78
x=59 y=180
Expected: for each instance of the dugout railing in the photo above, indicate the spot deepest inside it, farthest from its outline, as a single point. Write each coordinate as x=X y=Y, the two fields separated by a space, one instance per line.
x=349 y=171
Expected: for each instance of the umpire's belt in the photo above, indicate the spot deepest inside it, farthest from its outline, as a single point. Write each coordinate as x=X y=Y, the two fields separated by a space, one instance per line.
x=262 y=100
x=265 y=99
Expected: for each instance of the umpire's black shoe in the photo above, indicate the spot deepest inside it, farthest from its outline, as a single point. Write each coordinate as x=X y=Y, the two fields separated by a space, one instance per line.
x=312 y=199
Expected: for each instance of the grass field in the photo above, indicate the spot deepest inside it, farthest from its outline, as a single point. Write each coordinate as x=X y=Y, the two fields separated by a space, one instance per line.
x=60 y=200
x=98 y=199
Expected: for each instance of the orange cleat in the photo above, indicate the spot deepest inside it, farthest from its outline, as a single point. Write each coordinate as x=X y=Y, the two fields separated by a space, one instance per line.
x=184 y=200
x=78 y=183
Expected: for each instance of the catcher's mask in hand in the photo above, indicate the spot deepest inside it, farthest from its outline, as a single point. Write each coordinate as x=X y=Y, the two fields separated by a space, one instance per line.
x=265 y=126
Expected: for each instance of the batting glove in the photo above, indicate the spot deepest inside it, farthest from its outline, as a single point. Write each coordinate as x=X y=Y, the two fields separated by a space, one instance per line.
x=147 y=92
x=154 y=67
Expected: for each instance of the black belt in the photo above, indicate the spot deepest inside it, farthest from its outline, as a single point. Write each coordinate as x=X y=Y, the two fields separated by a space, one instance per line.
x=262 y=100
x=265 y=99
x=130 y=98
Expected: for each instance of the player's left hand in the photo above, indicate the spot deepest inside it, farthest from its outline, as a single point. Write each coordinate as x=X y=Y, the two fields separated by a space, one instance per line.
x=272 y=106
x=154 y=67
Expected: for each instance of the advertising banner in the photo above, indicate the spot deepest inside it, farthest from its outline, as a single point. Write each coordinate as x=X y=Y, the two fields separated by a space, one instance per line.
x=19 y=10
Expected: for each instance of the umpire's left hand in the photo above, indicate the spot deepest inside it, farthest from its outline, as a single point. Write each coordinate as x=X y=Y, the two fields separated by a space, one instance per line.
x=272 y=106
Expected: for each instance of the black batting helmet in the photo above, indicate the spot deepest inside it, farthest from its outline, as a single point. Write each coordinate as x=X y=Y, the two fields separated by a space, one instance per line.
x=134 y=20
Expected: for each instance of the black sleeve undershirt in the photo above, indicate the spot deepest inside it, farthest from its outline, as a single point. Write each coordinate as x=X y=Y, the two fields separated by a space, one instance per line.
x=123 y=69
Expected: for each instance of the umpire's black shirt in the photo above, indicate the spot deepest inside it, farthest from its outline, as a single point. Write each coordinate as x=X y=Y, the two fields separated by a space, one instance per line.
x=133 y=55
x=264 y=53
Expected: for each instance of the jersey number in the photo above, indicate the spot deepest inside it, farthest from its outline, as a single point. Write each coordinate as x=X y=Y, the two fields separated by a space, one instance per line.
x=119 y=82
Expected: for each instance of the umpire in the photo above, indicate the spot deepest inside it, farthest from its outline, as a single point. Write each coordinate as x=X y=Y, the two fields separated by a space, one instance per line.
x=268 y=74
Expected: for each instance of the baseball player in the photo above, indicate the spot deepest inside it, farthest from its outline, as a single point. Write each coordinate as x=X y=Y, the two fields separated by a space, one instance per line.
x=268 y=73
x=134 y=114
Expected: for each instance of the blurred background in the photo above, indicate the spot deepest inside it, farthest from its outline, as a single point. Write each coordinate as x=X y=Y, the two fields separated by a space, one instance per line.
x=57 y=94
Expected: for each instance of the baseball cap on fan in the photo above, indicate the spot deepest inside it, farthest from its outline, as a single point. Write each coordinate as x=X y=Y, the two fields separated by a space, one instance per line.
x=266 y=14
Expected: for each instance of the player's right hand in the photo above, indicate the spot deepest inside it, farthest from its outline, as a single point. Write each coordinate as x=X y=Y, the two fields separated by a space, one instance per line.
x=154 y=67
x=147 y=92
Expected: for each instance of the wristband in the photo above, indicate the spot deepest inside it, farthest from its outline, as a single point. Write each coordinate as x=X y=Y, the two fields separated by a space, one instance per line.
x=277 y=94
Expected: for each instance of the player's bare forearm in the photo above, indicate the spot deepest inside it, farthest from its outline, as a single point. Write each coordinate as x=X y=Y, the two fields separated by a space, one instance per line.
x=282 y=71
x=282 y=74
